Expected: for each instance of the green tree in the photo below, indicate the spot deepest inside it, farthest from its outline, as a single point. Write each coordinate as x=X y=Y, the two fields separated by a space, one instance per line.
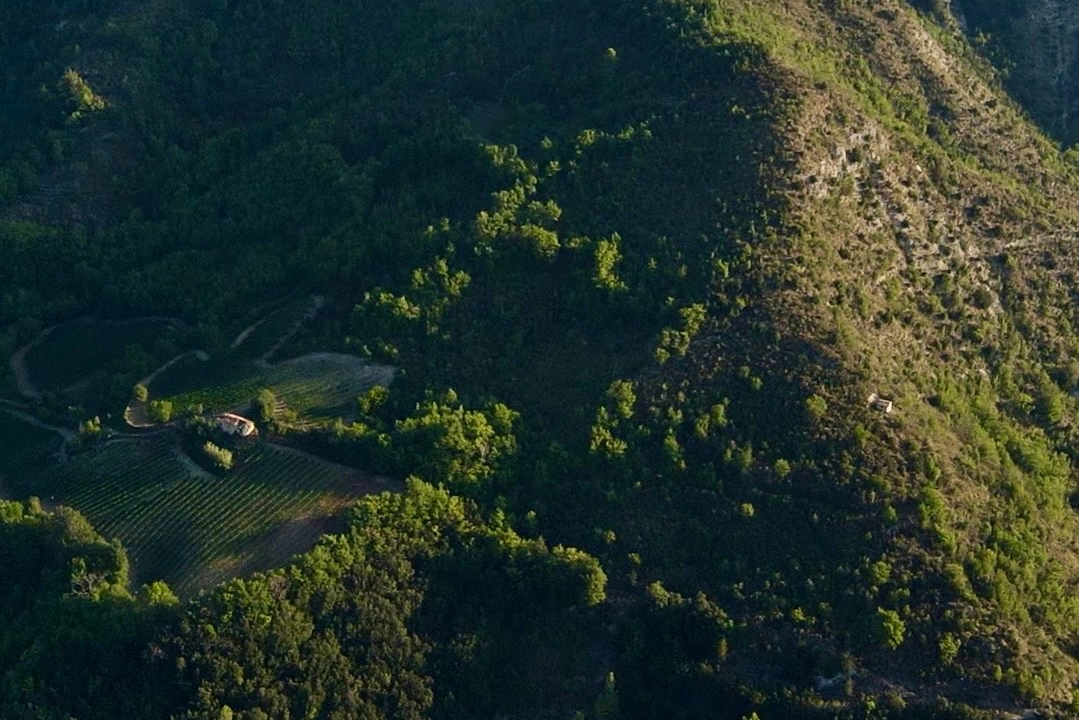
x=160 y=411
x=266 y=402
x=447 y=443
x=374 y=398
x=891 y=630
x=221 y=457
x=608 y=257
x=816 y=406
x=141 y=393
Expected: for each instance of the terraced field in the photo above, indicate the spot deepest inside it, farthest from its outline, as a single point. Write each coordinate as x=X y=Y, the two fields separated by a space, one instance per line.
x=71 y=352
x=261 y=340
x=192 y=529
x=320 y=385
x=179 y=522
x=316 y=386
x=325 y=384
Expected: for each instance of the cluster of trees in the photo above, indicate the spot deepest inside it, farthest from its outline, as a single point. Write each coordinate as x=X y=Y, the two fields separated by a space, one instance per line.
x=71 y=626
x=422 y=607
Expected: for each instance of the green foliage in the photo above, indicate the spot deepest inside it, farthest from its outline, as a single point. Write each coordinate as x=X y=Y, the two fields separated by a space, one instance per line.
x=159 y=594
x=608 y=256
x=891 y=630
x=221 y=457
x=69 y=624
x=949 y=646
x=85 y=99
x=90 y=429
x=676 y=341
x=415 y=624
x=634 y=239
x=816 y=406
x=266 y=402
x=445 y=442
x=160 y=411
x=372 y=399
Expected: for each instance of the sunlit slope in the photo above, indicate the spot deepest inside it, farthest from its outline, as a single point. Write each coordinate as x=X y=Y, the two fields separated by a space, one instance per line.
x=925 y=255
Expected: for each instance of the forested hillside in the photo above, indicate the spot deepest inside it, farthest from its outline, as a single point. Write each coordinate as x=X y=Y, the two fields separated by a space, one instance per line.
x=617 y=284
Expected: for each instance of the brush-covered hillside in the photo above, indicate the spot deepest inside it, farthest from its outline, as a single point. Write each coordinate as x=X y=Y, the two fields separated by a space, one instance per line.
x=733 y=347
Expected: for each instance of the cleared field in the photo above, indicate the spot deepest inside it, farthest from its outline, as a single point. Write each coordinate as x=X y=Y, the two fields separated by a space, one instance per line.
x=259 y=341
x=325 y=384
x=74 y=351
x=317 y=385
x=192 y=529
x=189 y=371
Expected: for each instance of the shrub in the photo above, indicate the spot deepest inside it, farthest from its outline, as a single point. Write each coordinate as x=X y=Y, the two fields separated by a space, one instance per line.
x=949 y=646
x=221 y=457
x=891 y=630
x=266 y=402
x=816 y=406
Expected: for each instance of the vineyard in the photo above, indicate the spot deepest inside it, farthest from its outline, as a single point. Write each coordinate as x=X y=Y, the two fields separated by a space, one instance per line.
x=320 y=385
x=178 y=521
x=192 y=529
x=325 y=384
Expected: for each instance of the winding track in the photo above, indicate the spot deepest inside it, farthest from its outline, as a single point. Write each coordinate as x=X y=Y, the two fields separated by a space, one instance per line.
x=23 y=385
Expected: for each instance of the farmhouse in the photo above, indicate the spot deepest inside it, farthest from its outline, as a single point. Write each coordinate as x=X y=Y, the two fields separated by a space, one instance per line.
x=235 y=425
x=884 y=405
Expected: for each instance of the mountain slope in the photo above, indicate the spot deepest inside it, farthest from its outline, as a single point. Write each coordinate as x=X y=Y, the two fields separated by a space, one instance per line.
x=642 y=269
x=926 y=249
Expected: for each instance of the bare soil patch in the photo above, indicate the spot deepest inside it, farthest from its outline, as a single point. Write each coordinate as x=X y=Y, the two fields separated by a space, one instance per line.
x=293 y=537
x=193 y=467
x=272 y=549
x=212 y=574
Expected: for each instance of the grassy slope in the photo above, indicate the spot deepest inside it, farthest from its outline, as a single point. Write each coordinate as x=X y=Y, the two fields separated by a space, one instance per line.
x=926 y=252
